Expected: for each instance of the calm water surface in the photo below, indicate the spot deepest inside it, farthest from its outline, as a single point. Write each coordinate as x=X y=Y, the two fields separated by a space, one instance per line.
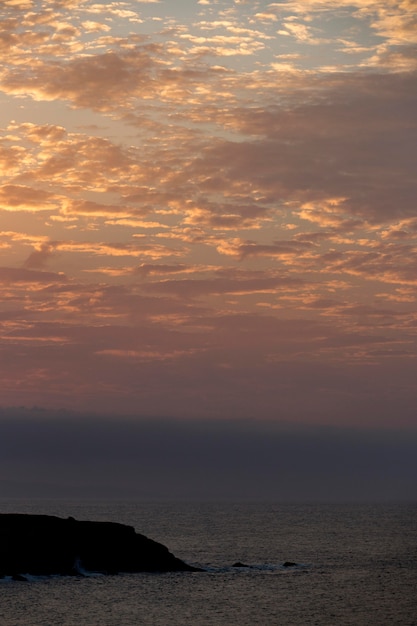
x=356 y=565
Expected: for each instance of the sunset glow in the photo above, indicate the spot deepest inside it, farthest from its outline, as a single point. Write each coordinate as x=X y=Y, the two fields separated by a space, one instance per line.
x=208 y=208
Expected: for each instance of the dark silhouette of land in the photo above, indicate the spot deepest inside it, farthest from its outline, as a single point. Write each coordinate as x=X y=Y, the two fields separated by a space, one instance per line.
x=47 y=545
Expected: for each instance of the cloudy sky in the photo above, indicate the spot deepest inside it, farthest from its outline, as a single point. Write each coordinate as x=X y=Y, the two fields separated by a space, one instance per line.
x=208 y=209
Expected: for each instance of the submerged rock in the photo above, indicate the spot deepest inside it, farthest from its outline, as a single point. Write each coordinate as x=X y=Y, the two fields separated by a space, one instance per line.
x=45 y=545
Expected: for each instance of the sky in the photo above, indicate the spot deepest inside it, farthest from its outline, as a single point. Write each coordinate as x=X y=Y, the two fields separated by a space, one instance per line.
x=64 y=455
x=208 y=212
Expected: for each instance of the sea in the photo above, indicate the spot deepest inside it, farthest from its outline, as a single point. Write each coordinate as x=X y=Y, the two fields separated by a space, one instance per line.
x=354 y=564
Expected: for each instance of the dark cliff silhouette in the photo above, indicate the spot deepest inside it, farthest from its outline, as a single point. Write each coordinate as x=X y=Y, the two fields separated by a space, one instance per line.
x=46 y=545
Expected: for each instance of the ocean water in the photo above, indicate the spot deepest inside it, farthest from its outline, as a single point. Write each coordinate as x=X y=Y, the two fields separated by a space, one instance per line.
x=356 y=565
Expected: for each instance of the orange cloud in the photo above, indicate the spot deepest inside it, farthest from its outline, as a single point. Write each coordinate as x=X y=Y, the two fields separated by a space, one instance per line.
x=217 y=202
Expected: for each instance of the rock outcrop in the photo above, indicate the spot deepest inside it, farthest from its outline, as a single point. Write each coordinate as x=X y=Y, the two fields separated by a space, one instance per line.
x=46 y=545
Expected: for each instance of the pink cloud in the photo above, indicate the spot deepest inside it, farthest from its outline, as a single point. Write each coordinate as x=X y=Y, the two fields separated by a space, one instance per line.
x=203 y=216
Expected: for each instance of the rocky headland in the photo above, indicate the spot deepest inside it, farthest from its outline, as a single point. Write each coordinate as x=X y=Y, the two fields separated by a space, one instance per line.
x=48 y=545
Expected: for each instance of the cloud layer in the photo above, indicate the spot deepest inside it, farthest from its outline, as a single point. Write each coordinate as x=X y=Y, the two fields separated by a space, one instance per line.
x=209 y=209
x=46 y=454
